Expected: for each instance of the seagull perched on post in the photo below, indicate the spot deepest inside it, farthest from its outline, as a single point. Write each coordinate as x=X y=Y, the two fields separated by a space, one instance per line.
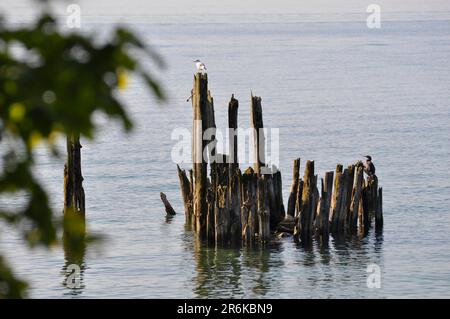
x=201 y=67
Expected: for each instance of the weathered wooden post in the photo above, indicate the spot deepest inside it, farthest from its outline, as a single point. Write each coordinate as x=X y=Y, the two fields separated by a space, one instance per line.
x=167 y=205
x=379 y=211
x=222 y=203
x=347 y=182
x=293 y=194
x=233 y=107
x=309 y=204
x=234 y=172
x=74 y=198
x=249 y=218
x=201 y=122
x=256 y=121
x=337 y=198
x=323 y=209
x=263 y=209
x=186 y=193
x=350 y=182
x=277 y=215
x=356 y=198
x=235 y=203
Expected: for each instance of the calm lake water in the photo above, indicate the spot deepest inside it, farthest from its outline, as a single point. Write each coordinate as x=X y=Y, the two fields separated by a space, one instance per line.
x=337 y=91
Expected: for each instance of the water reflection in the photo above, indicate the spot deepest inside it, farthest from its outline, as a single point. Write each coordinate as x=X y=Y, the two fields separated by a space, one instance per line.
x=74 y=245
x=230 y=272
x=284 y=267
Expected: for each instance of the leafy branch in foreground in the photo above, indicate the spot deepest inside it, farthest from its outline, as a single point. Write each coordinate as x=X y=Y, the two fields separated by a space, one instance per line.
x=51 y=83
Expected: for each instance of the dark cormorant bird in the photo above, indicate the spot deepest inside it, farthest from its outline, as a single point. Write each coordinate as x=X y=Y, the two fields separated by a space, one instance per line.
x=369 y=168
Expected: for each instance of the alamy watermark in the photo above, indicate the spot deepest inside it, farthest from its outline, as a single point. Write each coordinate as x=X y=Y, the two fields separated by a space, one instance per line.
x=74 y=16
x=210 y=145
x=373 y=276
x=373 y=20
x=73 y=279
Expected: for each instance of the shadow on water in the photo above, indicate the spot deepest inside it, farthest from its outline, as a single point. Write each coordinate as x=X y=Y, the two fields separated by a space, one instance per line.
x=74 y=245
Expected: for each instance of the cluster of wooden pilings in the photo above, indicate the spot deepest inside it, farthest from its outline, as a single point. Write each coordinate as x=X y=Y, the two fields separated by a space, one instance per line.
x=229 y=206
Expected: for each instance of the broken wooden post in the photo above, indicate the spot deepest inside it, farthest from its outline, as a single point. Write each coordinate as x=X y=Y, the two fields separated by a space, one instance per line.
x=186 y=193
x=294 y=187
x=350 y=182
x=336 y=198
x=222 y=203
x=323 y=209
x=347 y=182
x=235 y=203
x=379 y=212
x=277 y=215
x=74 y=198
x=234 y=188
x=263 y=209
x=233 y=107
x=200 y=124
x=249 y=218
x=356 y=198
x=309 y=204
x=256 y=123
x=168 y=207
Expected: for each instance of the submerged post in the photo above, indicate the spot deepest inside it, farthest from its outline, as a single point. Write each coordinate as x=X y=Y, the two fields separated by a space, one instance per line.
x=74 y=198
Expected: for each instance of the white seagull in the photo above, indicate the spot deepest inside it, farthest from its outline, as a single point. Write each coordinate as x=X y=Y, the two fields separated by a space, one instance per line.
x=201 y=67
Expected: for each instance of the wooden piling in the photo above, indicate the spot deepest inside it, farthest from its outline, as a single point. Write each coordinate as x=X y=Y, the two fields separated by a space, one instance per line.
x=234 y=188
x=379 y=212
x=186 y=193
x=356 y=198
x=222 y=204
x=309 y=204
x=74 y=197
x=337 y=198
x=168 y=207
x=263 y=209
x=249 y=218
x=233 y=107
x=347 y=183
x=278 y=214
x=294 y=187
x=201 y=122
x=350 y=182
x=256 y=121
x=235 y=203
x=323 y=209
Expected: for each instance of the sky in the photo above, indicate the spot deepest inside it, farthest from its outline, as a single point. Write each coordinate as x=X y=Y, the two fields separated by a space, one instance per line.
x=141 y=11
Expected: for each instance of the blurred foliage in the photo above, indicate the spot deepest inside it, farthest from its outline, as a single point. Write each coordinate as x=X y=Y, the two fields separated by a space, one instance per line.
x=51 y=83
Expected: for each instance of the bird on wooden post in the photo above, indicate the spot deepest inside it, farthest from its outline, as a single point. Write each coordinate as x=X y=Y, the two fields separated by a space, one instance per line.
x=369 y=168
x=201 y=67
